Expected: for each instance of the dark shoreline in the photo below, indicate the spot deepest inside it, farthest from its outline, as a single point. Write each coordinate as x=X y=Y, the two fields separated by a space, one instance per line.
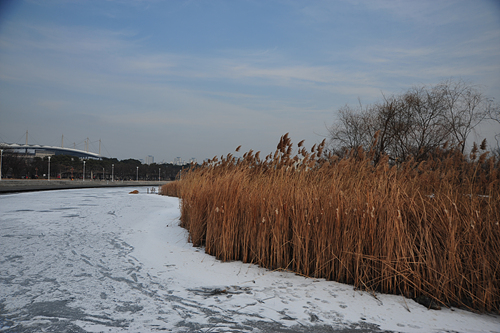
x=28 y=185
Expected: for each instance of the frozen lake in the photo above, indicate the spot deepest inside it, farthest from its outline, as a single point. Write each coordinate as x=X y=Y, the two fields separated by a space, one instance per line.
x=103 y=260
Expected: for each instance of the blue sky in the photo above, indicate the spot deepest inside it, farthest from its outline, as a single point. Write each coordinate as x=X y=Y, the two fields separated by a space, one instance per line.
x=199 y=78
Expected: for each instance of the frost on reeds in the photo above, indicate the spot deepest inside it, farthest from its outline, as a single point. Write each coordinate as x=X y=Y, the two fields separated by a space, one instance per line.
x=417 y=229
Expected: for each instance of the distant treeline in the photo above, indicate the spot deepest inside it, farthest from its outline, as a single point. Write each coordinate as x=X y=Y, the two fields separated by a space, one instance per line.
x=69 y=167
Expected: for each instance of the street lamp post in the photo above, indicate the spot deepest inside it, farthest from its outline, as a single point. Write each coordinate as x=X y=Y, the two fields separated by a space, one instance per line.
x=48 y=175
x=112 y=172
x=137 y=176
x=83 y=170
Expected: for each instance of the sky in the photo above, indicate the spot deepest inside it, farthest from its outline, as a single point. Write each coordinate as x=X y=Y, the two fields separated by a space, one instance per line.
x=196 y=79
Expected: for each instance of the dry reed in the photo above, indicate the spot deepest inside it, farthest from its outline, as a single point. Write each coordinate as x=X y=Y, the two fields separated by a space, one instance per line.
x=417 y=229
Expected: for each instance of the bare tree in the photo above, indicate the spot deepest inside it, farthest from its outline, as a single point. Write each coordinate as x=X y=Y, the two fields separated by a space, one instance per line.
x=424 y=127
x=465 y=108
x=354 y=128
x=493 y=113
x=412 y=124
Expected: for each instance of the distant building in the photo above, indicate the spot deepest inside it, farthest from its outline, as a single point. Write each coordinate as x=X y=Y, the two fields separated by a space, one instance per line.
x=192 y=160
x=150 y=159
x=177 y=161
x=44 y=153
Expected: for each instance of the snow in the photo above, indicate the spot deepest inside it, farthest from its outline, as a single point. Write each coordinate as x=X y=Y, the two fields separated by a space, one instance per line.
x=93 y=260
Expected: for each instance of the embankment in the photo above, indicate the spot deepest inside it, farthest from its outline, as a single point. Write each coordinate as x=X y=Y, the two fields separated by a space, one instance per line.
x=24 y=185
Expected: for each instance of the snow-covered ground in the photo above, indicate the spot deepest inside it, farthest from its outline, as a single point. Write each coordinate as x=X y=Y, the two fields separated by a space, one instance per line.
x=93 y=260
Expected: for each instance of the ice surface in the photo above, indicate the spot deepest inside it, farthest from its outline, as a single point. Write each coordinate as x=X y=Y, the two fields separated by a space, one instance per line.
x=94 y=260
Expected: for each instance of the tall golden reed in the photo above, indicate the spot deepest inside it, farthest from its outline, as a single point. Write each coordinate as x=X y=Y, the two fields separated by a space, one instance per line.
x=428 y=228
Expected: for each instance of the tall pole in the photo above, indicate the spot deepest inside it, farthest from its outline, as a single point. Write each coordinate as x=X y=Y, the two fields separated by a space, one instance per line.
x=112 y=172
x=99 y=147
x=137 y=177
x=83 y=170
x=159 y=174
x=102 y=173
x=48 y=177
x=62 y=141
x=1 y=160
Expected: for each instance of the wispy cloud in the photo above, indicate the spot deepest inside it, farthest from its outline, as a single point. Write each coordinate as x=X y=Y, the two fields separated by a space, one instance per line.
x=96 y=59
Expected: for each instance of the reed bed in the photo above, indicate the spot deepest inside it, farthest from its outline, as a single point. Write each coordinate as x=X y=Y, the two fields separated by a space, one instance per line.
x=418 y=229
